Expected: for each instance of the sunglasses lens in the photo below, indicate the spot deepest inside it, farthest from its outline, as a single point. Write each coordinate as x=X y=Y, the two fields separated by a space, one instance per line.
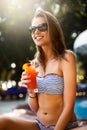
x=32 y=29
x=41 y=27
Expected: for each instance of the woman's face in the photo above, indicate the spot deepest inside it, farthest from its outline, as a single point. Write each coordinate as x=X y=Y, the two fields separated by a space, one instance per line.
x=39 y=31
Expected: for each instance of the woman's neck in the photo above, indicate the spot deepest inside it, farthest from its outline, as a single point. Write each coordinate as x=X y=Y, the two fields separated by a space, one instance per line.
x=48 y=54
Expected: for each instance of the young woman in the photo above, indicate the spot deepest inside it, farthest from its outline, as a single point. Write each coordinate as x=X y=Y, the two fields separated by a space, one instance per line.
x=56 y=79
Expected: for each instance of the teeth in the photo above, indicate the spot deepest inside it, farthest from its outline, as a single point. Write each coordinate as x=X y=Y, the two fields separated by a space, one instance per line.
x=38 y=38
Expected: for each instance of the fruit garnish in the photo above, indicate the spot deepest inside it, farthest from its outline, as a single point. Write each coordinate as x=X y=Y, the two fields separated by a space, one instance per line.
x=31 y=70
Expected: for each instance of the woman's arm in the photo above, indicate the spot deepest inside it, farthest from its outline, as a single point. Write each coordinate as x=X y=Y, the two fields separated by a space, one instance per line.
x=69 y=73
x=33 y=98
x=33 y=101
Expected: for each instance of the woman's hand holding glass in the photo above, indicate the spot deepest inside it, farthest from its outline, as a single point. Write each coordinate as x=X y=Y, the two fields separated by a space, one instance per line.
x=28 y=78
x=25 y=79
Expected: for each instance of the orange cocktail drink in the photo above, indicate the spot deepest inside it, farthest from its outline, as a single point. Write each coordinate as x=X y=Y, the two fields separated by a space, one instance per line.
x=32 y=72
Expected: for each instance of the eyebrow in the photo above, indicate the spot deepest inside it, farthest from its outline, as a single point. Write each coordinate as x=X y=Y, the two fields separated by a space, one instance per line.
x=38 y=25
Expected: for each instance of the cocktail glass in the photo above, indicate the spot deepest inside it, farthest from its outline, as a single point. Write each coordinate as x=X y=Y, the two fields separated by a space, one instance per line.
x=33 y=73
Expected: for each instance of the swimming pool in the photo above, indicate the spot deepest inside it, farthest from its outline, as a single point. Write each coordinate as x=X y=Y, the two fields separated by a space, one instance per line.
x=81 y=107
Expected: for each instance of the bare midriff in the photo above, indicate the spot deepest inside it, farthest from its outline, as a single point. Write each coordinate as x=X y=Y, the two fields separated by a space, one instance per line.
x=50 y=108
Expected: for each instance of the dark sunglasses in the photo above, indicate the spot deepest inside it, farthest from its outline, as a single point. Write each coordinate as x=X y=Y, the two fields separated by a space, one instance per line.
x=42 y=27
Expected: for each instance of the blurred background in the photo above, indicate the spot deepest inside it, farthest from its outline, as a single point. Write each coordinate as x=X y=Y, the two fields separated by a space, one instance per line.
x=17 y=47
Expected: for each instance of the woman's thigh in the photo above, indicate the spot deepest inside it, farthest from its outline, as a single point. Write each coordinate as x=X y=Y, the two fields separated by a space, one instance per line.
x=80 y=128
x=13 y=123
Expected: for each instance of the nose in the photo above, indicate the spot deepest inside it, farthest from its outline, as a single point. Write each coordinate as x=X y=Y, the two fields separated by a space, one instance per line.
x=36 y=30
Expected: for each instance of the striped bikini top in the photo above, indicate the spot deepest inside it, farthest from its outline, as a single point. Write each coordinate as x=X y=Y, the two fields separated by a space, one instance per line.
x=50 y=84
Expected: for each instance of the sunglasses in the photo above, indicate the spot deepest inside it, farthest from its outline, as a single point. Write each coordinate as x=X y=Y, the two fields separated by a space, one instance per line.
x=42 y=27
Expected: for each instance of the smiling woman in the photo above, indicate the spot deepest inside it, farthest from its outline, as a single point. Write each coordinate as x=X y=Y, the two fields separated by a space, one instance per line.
x=52 y=82
x=54 y=101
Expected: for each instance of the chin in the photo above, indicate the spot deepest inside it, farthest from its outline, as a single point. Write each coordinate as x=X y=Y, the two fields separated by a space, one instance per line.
x=39 y=44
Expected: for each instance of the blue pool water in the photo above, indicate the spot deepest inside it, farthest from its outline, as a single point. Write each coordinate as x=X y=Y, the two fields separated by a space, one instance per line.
x=81 y=107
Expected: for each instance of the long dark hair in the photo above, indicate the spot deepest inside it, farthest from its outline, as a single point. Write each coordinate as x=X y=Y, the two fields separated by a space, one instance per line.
x=56 y=36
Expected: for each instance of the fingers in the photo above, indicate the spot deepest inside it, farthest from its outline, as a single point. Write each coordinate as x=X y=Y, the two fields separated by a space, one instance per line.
x=25 y=83
x=25 y=79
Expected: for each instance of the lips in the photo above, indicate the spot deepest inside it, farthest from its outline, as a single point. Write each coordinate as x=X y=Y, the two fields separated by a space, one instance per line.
x=38 y=38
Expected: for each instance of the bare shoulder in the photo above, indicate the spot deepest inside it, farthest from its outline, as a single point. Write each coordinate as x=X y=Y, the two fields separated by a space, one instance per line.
x=68 y=63
x=69 y=58
x=69 y=55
